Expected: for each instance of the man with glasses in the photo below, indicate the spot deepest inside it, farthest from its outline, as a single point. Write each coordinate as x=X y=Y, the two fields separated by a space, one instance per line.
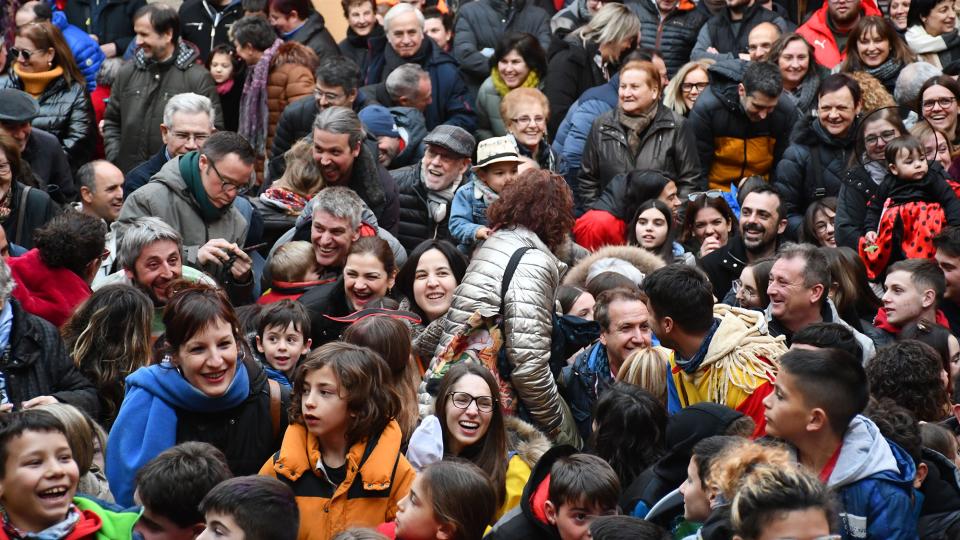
x=195 y=193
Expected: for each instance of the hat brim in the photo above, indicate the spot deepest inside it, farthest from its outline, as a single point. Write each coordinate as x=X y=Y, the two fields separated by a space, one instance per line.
x=499 y=159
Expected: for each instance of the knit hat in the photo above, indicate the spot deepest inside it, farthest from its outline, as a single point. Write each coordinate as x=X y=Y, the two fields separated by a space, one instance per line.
x=453 y=138
x=497 y=150
x=378 y=121
x=17 y=106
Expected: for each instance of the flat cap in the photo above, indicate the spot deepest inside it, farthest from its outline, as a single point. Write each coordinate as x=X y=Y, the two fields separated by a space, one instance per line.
x=453 y=138
x=17 y=106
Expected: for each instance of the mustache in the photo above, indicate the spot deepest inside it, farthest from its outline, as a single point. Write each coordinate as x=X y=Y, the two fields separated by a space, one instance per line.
x=752 y=227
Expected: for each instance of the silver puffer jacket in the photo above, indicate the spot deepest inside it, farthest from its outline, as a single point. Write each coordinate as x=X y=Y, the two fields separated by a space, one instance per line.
x=527 y=316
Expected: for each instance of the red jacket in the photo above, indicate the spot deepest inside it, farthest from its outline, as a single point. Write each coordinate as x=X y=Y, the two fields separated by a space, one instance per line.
x=50 y=293
x=818 y=34
x=85 y=529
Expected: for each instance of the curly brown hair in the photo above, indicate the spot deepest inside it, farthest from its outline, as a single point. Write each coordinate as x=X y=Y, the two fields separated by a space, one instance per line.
x=538 y=200
x=363 y=377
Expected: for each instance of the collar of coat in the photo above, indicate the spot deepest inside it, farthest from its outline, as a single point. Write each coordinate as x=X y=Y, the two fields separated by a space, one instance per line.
x=184 y=56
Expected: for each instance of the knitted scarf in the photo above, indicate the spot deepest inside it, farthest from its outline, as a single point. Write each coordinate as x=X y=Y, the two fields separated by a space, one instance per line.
x=636 y=125
x=190 y=171
x=57 y=531
x=35 y=83
x=253 y=102
x=885 y=70
x=532 y=81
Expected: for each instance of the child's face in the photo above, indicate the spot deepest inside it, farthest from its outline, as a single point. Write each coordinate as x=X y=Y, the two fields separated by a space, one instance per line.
x=40 y=480
x=787 y=415
x=221 y=67
x=469 y=425
x=282 y=347
x=696 y=502
x=806 y=523
x=323 y=405
x=909 y=166
x=498 y=175
x=573 y=520
x=415 y=517
x=221 y=527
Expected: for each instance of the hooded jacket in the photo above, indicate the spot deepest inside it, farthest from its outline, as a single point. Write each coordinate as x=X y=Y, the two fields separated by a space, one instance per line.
x=730 y=145
x=811 y=169
x=290 y=78
x=817 y=32
x=205 y=25
x=138 y=97
x=111 y=20
x=315 y=35
x=50 y=293
x=378 y=476
x=674 y=34
x=85 y=50
x=828 y=311
x=940 y=513
x=667 y=144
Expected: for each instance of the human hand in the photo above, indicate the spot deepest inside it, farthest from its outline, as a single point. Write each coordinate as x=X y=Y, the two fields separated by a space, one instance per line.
x=109 y=50
x=709 y=245
x=871 y=237
x=6 y=407
x=38 y=401
x=220 y=252
x=712 y=50
x=483 y=233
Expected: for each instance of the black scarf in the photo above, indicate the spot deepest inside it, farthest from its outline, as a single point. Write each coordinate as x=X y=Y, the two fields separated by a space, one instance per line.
x=393 y=60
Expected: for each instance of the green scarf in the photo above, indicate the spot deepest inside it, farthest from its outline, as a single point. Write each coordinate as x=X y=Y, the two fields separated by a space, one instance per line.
x=190 y=171
x=532 y=81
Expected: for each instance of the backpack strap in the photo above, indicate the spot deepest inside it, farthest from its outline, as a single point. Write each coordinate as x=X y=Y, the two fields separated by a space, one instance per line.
x=22 y=214
x=275 y=399
x=819 y=189
x=509 y=270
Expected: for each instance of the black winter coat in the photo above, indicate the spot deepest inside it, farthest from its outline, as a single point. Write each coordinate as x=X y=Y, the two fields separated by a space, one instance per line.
x=328 y=299
x=113 y=25
x=725 y=39
x=38 y=365
x=674 y=36
x=315 y=35
x=811 y=169
x=36 y=213
x=570 y=72
x=856 y=189
x=50 y=166
x=245 y=433
x=205 y=26
x=357 y=48
x=65 y=112
x=416 y=220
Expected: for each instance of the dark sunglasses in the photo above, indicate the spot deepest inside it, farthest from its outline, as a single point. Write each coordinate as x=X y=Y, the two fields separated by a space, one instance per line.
x=27 y=53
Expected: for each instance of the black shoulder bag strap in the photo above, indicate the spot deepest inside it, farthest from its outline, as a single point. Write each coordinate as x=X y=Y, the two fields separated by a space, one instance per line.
x=508 y=273
x=22 y=214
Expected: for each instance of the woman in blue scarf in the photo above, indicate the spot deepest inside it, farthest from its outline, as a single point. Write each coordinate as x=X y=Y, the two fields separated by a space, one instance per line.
x=208 y=388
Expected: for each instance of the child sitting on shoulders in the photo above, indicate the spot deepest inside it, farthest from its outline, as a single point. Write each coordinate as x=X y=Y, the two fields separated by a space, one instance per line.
x=293 y=270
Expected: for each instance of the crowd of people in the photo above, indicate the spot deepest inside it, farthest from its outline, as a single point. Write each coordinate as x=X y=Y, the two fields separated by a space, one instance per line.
x=506 y=269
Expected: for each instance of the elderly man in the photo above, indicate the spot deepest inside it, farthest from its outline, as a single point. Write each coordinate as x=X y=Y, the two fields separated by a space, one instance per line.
x=195 y=194
x=407 y=86
x=187 y=123
x=101 y=196
x=405 y=43
x=427 y=188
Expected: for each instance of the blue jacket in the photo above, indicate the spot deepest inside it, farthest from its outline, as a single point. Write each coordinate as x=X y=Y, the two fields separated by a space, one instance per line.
x=575 y=127
x=583 y=383
x=873 y=480
x=468 y=212
x=85 y=50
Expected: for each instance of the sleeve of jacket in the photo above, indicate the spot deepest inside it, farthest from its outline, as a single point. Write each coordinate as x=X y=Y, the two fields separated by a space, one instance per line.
x=851 y=214
x=588 y=183
x=389 y=219
x=81 y=133
x=484 y=127
x=528 y=328
x=703 y=43
x=702 y=128
x=891 y=514
x=111 y=116
x=788 y=119
x=300 y=84
x=874 y=207
x=584 y=113
x=70 y=385
x=689 y=178
x=948 y=200
x=561 y=87
x=791 y=173
x=465 y=47
x=461 y=225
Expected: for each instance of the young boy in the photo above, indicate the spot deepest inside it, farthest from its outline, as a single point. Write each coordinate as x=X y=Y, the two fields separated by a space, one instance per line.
x=699 y=496
x=899 y=222
x=815 y=407
x=293 y=269
x=565 y=492
x=38 y=484
x=171 y=486
x=250 y=508
x=281 y=338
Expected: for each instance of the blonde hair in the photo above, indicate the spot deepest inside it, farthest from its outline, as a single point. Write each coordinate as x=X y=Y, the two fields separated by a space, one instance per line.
x=292 y=261
x=738 y=461
x=613 y=23
x=647 y=368
x=923 y=129
x=874 y=94
x=302 y=175
x=514 y=98
x=673 y=93
x=79 y=430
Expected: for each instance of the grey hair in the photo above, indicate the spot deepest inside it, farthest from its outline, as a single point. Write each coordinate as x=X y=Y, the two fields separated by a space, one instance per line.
x=341 y=203
x=911 y=78
x=189 y=103
x=140 y=233
x=816 y=269
x=404 y=81
x=340 y=121
x=401 y=8
x=87 y=174
x=613 y=23
x=7 y=283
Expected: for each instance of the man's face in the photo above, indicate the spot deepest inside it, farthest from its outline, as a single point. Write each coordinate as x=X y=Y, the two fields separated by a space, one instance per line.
x=154 y=45
x=154 y=526
x=951 y=270
x=332 y=96
x=20 y=131
x=790 y=298
x=903 y=301
x=187 y=133
x=441 y=167
x=757 y=106
x=284 y=23
x=696 y=502
x=387 y=149
x=760 y=41
x=786 y=413
x=843 y=12
x=107 y=199
x=405 y=35
x=760 y=222
x=331 y=238
x=157 y=266
x=424 y=95
x=224 y=180
x=629 y=330
x=334 y=156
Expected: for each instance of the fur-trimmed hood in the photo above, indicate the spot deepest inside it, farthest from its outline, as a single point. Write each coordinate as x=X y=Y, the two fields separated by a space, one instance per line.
x=527 y=441
x=645 y=261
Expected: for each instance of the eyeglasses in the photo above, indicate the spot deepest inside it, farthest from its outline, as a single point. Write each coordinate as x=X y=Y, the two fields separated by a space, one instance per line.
x=929 y=104
x=228 y=187
x=462 y=400
x=27 y=53
x=885 y=136
x=688 y=87
x=711 y=194
x=328 y=97
x=748 y=293
x=198 y=138
x=526 y=120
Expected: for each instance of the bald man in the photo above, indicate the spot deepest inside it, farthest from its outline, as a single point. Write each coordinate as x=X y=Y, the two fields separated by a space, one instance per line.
x=761 y=39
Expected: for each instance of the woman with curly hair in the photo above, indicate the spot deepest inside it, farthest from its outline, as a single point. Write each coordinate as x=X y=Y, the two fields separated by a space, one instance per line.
x=531 y=220
x=911 y=373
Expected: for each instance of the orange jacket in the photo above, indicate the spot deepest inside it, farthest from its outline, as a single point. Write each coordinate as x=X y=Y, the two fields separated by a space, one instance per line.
x=378 y=476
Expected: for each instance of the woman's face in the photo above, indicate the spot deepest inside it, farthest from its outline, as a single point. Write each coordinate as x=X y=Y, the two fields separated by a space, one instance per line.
x=794 y=63
x=208 y=360
x=637 y=93
x=873 y=49
x=692 y=86
x=529 y=126
x=808 y=523
x=747 y=295
x=669 y=197
x=710 y=222
x=362 y=18
x=898 y=13
x=6 y=173
x=876 y=134
x=467 y=426
x=221 y=67
x=583 y=307
x=613 y=50
x=935 y=148
x=836 y=111
x=365 y=279
x=513 y=69
x=434 y=30
x=651 y=229
x=40 y=60
x=433 y=284
x=939 y=107
x=941 y=20
x=954 y=347
x=823 y=226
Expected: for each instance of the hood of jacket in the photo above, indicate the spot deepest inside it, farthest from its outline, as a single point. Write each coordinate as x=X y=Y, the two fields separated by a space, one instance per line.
x=725 y=77
x=314 y=24
x=528 y=442
x=941 y=488
x=50 y=293
x=538 y=485
x=863 y=456
x=645 y=261
x=818 y=21
x=185 y=55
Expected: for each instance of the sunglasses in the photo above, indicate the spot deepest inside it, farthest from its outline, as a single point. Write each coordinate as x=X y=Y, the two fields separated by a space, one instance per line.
x=27 y=53
x=711 y=194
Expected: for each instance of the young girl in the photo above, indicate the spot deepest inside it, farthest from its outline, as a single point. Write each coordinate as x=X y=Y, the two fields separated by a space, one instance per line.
x=341 y=452
x=653 y=229
x=497 y=165
x=228 y=73
x=909 y=208
x=449 y=500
